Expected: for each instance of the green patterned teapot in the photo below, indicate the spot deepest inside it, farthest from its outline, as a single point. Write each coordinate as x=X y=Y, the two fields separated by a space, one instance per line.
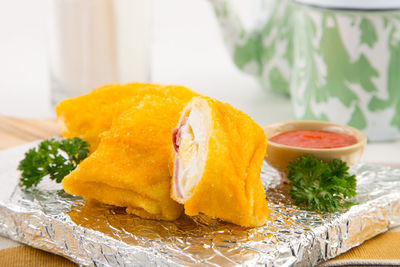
x=338 y=60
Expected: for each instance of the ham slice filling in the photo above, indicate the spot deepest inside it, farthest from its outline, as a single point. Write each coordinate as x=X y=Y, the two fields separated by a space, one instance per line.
x=176 y=139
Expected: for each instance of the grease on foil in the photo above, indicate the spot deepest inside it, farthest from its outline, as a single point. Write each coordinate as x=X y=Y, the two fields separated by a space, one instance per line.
x=90 y=233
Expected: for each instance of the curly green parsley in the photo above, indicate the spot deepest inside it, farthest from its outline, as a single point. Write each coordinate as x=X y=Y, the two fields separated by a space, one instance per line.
x=52 y=157
x=322 y=186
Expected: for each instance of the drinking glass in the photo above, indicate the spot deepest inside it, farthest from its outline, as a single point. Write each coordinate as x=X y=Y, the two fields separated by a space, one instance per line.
x=95 y=42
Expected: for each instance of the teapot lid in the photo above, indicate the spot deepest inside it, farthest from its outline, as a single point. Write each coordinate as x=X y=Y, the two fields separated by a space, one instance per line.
x=353 y=4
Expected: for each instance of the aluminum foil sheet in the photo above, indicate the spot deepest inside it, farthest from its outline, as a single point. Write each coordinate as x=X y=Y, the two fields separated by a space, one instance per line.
x=94 y=234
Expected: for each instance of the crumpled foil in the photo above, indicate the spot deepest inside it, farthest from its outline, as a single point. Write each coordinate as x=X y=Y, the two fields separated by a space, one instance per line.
x=101 y=235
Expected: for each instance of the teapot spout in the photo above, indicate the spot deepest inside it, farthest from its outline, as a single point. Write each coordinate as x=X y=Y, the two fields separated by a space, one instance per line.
x=264 y=51
x=230 y=23
x=245 y=47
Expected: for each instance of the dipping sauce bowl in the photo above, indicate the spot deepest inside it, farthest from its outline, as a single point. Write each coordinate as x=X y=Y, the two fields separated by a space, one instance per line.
x=279 y=155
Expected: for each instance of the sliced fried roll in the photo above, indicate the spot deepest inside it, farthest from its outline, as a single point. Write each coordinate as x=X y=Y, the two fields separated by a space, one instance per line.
x=89 y=115
x=130 y=166
x=218 y=152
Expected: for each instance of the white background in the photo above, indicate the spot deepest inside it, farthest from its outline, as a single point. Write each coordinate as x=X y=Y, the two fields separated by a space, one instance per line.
x=187 y=48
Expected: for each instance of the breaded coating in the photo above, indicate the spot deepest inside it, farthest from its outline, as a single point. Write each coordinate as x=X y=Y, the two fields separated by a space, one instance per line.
x=89 y=115
x=218 y=153
x=130 y=166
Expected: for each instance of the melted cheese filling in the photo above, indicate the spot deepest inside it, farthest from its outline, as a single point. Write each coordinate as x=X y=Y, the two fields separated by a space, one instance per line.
x=192 y=152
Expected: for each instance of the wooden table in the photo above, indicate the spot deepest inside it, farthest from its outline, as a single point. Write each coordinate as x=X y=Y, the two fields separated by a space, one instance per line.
x=15 y=131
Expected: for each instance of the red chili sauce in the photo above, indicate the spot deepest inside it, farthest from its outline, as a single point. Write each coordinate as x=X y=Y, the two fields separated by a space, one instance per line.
x=314 y=139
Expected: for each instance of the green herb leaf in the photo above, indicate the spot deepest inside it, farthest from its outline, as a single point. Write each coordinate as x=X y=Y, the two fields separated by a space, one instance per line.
x=56 y=158
x=318 y=185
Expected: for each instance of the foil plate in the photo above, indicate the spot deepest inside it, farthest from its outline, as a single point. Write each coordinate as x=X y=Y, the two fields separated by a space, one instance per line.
x=94 y=234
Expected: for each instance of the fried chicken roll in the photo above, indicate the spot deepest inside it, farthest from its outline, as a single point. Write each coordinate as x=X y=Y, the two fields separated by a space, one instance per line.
x=218 y=152
x=130 y=166
x=89 y=115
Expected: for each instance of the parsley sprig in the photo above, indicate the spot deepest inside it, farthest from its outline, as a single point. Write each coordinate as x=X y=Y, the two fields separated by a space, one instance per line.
x=322 y=186
x=52 y=157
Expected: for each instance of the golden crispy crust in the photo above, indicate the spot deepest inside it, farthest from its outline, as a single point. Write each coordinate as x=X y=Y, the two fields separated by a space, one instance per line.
x=89 y=115
x=130 y=166
x=230 y=188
